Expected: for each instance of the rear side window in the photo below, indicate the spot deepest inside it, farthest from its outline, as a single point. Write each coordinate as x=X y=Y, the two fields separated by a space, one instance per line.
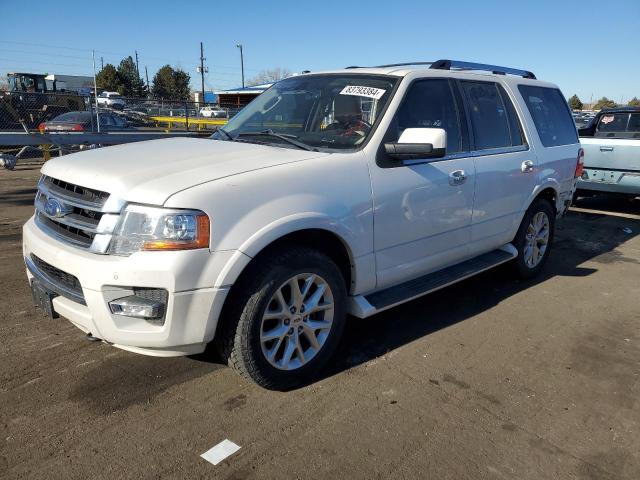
x=493 y=118
x=618 y=124
x=551 y=115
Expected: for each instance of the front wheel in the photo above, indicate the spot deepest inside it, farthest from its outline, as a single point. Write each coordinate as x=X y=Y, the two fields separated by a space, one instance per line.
x=285 y=318
x=534 y=239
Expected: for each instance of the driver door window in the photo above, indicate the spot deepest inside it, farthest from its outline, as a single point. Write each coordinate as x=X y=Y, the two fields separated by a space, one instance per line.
x=430 y=104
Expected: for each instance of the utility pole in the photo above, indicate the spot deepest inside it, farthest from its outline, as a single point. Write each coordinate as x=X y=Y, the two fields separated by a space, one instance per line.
x=202 y=70
x=146 y=73
x=101 y=63
x=239 y=45
x=137 y=67
x=95 y=89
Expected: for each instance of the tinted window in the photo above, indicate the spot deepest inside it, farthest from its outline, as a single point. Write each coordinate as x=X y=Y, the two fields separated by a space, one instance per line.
x=489 y=117
x=634 y=123
x=551 y=115
x=515 y=128
x=430 y=104
x=613 y=122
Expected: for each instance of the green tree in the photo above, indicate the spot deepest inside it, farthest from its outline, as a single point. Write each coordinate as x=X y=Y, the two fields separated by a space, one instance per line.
x=163 y=82
x=634 y=102
x=604 y=102
x=575 y=103
x=131 y=83
x=171 y=84
x=181 y=85
x=108 y=79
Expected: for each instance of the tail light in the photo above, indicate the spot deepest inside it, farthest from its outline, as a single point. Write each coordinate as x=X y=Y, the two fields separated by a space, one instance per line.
x=580 y=163
x=79 y=128
x=42 y=127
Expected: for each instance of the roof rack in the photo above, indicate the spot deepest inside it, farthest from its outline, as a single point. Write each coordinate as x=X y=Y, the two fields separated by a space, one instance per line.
x=458 y=65
x=394 y=65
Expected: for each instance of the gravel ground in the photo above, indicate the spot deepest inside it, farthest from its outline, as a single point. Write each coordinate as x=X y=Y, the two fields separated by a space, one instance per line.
x=490 y=378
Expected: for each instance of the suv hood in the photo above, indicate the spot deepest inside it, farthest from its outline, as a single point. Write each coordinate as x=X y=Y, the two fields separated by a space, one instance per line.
x=151 y=171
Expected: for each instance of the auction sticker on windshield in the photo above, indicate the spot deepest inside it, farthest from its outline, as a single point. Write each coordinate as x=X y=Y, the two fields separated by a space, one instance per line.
x=369 y=92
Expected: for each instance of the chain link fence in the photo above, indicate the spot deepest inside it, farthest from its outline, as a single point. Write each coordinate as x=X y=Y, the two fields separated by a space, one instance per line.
x=59 y=112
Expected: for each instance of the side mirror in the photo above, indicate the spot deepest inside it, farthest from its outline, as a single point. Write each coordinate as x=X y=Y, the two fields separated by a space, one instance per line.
x=418 y=143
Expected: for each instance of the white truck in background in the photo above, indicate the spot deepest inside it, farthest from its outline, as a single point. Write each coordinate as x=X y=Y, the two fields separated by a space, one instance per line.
x=612 y=153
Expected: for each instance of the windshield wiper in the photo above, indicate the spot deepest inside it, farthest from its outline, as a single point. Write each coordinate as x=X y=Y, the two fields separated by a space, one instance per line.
x=227 y=134
x=284 y=138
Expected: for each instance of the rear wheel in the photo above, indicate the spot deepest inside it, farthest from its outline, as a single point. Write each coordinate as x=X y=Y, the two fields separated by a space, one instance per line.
x=285 y=318
x=534 y=238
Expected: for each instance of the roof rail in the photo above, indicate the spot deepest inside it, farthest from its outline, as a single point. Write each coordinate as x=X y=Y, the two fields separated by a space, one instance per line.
x=458 y=65
x=394 y=65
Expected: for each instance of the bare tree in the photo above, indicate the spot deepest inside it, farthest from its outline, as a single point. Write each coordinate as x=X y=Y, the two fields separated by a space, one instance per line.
x=270 y=75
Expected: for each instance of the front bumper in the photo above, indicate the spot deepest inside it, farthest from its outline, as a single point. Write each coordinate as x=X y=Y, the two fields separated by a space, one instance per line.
x=610 y=181
x=193 y=306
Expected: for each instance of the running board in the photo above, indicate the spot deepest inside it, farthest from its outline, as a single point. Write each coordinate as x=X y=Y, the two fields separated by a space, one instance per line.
x=364 y=306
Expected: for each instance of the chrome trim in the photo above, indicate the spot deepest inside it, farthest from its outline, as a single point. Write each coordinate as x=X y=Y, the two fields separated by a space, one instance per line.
x=113 y=203
x=63 y=238
x=76 y=202
x=110 y=208
x=100 y=243
x=53 y=286
x=69 y=219
x=498 y=151
x=108 y=223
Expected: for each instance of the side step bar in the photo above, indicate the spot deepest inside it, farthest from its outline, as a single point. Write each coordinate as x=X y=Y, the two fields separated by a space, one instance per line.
x=363 y=306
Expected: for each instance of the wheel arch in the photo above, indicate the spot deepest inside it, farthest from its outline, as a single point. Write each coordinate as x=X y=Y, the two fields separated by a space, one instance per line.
x=316 y=232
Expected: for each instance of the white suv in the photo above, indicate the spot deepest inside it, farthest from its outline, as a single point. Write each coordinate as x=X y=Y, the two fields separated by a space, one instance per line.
x=112 y=100
x=345 y=192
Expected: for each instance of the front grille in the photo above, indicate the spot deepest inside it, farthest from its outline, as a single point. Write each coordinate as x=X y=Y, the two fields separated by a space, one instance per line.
x=76 y=236
x=79 y=215
x=65 y=189
x=63 y=283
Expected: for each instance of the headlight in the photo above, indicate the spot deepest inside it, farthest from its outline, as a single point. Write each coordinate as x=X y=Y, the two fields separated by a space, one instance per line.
x=149 y=228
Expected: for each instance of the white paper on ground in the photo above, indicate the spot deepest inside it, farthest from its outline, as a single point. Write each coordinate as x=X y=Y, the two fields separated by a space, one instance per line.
x=221 y=451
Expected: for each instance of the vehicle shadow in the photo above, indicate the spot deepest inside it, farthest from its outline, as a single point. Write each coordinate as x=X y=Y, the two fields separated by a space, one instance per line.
x=580 y=237
x=610 y=203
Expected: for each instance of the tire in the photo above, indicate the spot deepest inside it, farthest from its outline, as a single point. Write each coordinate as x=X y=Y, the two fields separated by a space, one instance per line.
x=527 y=264
x=259 y=296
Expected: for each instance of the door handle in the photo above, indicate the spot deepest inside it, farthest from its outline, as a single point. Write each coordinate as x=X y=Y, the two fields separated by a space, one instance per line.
x=457 y=177
x=527 y=166
x=606 y=149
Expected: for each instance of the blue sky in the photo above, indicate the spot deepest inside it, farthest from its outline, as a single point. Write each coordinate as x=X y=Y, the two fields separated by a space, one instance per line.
x=586 y=47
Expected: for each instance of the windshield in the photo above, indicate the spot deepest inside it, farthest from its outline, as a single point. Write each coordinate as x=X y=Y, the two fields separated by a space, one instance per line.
x=315 y=111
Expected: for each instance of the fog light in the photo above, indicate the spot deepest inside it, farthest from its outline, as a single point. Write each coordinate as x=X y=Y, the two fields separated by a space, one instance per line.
x=135 y=306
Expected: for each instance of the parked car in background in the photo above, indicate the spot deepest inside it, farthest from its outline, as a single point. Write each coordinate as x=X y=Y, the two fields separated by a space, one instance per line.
x=350 y=191
x=111 y=100
x=612 y=153
x=82 y=122
x=213 y=112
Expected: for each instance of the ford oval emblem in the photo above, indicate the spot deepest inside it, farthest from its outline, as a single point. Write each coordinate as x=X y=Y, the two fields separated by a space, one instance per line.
x=54 y=208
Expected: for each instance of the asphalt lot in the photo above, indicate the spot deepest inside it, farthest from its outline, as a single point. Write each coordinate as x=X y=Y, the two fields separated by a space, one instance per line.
x=490 y=378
